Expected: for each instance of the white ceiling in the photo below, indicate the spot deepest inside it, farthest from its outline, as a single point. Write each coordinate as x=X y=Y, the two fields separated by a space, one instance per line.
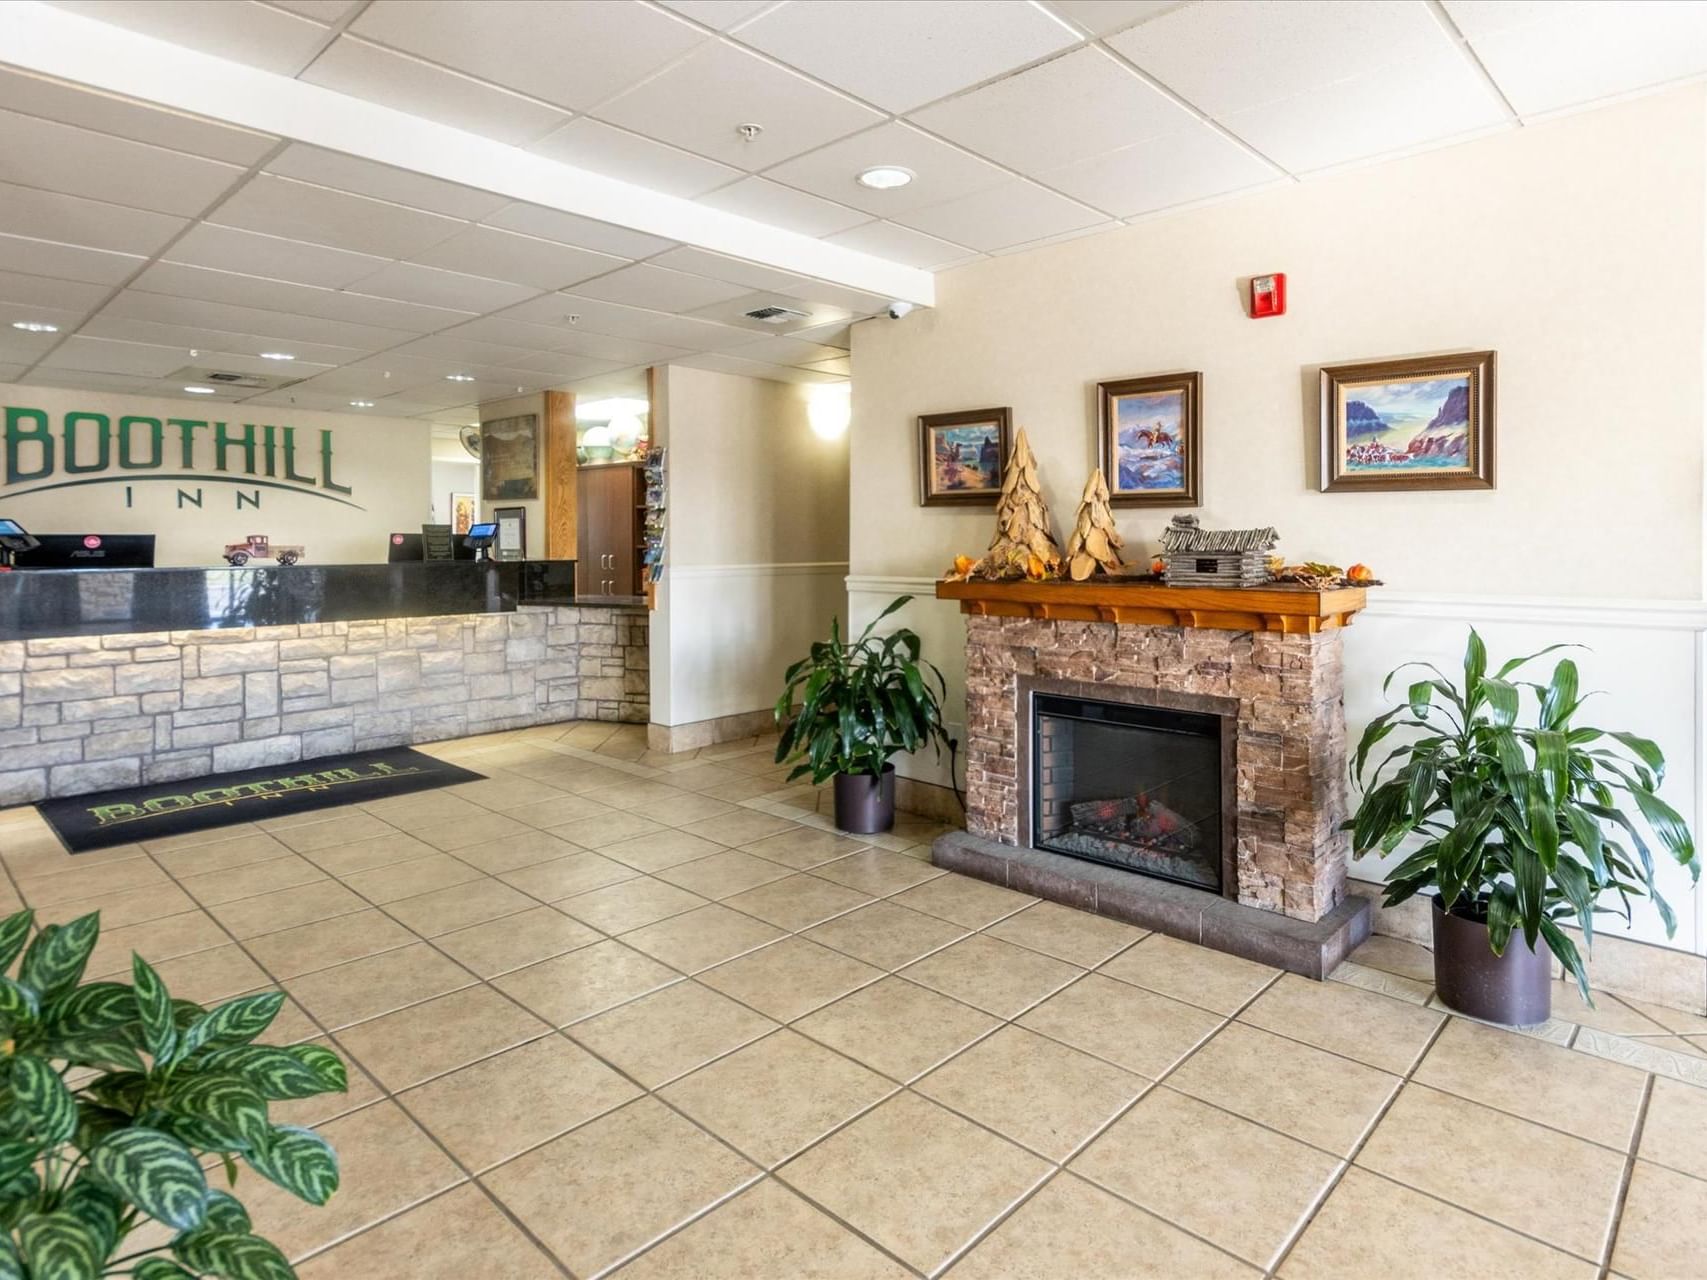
x=144 y=232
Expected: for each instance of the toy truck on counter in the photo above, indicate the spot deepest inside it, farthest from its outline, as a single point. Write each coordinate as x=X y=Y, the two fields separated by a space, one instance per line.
x=258 y=547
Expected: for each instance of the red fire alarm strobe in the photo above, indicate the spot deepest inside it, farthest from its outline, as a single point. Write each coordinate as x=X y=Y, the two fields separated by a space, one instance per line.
x=1268 y=295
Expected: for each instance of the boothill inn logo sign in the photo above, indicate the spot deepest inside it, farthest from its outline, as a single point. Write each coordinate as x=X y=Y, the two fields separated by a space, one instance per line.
x=190 y=454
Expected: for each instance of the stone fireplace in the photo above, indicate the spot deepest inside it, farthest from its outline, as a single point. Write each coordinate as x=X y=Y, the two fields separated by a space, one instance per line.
x=1180 y=768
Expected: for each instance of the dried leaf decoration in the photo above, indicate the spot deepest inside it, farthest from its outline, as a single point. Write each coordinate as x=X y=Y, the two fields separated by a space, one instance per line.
x=1095 y=542
x=1024 y=546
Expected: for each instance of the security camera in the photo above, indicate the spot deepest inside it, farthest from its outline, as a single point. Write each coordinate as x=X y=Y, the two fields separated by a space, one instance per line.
x=899 y=309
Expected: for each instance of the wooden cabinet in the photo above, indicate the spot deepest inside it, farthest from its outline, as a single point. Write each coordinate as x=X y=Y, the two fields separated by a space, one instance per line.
x=612 y=499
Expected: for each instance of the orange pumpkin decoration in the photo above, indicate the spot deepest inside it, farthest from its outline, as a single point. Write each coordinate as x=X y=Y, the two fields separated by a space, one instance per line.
x=1360 y=573
x=1035 y=569
x=1158 y=565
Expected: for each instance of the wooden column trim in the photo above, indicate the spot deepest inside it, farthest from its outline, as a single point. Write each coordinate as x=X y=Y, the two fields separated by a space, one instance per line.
x=561 y=493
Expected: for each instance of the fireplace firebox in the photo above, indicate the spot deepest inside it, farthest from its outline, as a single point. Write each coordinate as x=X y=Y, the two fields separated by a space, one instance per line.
x=1144 y=788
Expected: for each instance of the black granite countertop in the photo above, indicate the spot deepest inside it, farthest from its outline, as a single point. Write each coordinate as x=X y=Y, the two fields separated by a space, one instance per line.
x=71 y=602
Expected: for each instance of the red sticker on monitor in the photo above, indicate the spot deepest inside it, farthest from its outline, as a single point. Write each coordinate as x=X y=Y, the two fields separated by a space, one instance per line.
x=91 y=542
x=396 y=539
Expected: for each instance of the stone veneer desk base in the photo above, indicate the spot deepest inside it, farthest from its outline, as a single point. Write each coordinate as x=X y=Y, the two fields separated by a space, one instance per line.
x=1312 y=948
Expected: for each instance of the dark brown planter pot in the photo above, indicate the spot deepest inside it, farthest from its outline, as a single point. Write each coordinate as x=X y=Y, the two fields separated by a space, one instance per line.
x=1515 y=990
x=865 y=804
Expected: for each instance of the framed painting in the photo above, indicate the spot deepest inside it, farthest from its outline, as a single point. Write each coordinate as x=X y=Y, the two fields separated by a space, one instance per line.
x=461 y=513
x=1421 y=423
x=512 y=540
x=962 y=456
x=509 y=458
x=1149 y=437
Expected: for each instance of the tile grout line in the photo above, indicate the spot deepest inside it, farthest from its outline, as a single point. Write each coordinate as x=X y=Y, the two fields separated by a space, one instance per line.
x=1625 y=1177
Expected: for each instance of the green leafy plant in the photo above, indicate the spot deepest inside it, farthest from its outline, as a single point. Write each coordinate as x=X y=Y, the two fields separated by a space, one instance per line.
x=1521 y=824
x=859 y=702
x=112 y=1095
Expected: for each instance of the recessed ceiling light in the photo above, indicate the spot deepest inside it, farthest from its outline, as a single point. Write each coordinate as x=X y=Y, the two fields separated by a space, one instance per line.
x=277 y=355
x=202 y=391
x=459 y=377
x=885 y=177
x=361 y=404
x=35 y=326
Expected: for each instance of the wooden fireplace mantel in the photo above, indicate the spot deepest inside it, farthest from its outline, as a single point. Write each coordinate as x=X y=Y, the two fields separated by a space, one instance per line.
x=1277 y=607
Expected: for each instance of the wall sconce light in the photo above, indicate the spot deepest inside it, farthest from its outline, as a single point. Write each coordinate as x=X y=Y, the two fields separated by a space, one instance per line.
x=828 y=408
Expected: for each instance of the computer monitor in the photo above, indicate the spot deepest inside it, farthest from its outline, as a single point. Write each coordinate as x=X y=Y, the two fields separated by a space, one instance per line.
x=89 y=551
x=405 y=547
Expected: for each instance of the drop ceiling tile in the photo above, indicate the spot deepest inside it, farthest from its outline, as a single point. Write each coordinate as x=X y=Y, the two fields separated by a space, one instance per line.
x=564 y=365
x=628 y=157
x=302 y=211
x=241 y=30
x=699 y=102
x=613 y=320
x=721 y=14
x=527 y=260
x=787 y=351
x=56 y=157
x=1014 y=213
x=78 y=380
x=658 y=289
x=570 y=54
x=903 y=244
x=11 y=372
x=433 y=287
x=467 y=355
x=733 y=312
x=505 y=332
x=134 y=304
x=23 y=290
x=1238 y=54
x=572 y=229
x=718 y=266
x=852 y=302
x=382 y=182
x=1060 y=237
x=327 y=11
x=87 y=109
x=841 y=367
x=901 y=54
x=67 y=261
x=1546 y=57
x=48 y=215
x=294 y=299
x=229 y=249
x=830 y=335
x=26 y=348
x=622 y=350
x=1175 y=169
x=758 y=369
x=98 y=355
x=365 y=70
x=1392 y=108
x=781 y=206
x=298 y=396
x=1078 y=106
x=1100 y=17
x=189 y=337
x=940 y=171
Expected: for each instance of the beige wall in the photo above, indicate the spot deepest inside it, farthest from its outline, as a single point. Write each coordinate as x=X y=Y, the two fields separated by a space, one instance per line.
x=757 y=543
x=752 y=481
x=1573 y=248
x=385 y=462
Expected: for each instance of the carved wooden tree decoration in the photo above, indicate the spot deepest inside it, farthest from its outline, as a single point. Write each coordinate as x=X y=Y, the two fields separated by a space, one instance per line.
x=1095 y=543
x=1023 y=546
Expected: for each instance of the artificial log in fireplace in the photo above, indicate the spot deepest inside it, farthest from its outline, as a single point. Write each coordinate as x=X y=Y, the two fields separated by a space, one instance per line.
x=1170 y=756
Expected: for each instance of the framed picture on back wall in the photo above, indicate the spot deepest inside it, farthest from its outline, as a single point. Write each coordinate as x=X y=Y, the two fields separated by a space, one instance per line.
x=509 y=458
x=461 y=513
x=1148 y=440
x=962 y=456
x=1426 y=422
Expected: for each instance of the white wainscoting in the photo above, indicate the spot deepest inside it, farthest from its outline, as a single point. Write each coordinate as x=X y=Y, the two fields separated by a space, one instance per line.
x=723 y=634
x=1648 y=656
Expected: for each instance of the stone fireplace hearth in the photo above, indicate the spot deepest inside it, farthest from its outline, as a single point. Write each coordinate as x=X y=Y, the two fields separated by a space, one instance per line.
x=1228 y=831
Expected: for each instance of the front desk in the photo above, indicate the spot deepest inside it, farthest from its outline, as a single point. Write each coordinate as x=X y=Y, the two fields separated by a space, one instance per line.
x=112 y=677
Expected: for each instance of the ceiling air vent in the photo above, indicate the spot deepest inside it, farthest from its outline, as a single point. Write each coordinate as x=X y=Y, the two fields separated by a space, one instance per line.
x=224 y=378
x=774 y=315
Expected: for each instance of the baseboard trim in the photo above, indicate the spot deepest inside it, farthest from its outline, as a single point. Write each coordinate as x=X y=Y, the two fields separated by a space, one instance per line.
x=708 y=733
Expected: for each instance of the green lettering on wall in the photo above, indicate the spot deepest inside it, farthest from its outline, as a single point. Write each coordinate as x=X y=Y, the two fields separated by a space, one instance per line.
x=27 y=426
x=103 y=432
x=290 y=458
x=248 y=500
x=326 y=464
x=187 y=428
x=148 y=429
x=224 y=441
x=194 y=499
x=269 y=446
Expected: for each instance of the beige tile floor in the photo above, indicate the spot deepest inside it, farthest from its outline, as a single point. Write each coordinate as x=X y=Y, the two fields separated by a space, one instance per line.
x=616 y=1012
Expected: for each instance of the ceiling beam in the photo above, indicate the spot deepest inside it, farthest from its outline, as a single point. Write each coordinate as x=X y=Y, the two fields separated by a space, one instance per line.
x=55 y=42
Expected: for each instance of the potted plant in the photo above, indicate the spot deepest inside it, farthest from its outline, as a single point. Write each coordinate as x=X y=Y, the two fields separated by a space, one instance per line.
x=114 y=1096
x=858 y=704
x=1522 y=826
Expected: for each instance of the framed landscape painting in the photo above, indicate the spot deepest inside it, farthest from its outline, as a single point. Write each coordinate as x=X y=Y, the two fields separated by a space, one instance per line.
x=509 y=458
x=1421 y=423
x=1149 y=438
x=962 y=456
